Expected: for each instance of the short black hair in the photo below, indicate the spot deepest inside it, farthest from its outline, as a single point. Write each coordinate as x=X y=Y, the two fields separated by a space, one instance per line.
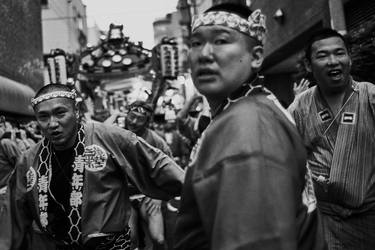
x=51 y=88
x=320 y=35
x=239 y=9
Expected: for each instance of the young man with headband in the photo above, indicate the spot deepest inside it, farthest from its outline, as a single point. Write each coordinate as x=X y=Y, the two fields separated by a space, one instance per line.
x=247 y=186
x=72 y=187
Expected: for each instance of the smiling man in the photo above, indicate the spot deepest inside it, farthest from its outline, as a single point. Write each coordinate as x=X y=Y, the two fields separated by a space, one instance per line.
x=73 y=184
x=247 y=186
x=336 y=119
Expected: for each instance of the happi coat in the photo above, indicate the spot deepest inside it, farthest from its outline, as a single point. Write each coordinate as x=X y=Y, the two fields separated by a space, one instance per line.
x=247 y=186
x=152 y=138
x=341 y=156
x=100 y=201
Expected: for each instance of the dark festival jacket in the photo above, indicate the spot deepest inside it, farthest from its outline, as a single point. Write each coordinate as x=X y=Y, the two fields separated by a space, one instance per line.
x=111 y=154
x=248 y=186
x=152 y=138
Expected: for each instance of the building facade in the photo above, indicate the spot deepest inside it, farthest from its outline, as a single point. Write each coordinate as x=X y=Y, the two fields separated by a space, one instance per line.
x=94 y=34
x=21 y=58
x=168 y=26
x=64 y=25
x=172 y=26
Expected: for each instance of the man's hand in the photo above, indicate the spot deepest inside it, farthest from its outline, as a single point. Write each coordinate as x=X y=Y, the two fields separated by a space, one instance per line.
x=301 y=87
x=110 y=120
x=152 y=206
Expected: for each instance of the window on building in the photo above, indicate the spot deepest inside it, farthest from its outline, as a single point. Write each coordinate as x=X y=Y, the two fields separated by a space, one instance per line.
x=44 y=3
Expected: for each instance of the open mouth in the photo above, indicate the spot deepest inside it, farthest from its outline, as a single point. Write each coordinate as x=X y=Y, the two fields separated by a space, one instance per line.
x=336 y=73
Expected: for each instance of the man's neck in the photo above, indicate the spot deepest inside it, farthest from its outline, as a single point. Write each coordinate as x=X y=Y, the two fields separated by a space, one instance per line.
x=335 y=100
x=62 y=150
x=70 y=144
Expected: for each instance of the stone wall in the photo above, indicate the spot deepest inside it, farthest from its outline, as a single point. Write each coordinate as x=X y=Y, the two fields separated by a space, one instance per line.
x=21 y=42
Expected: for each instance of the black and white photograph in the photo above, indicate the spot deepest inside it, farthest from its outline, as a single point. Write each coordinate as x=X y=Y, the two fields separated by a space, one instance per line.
x=187 y=125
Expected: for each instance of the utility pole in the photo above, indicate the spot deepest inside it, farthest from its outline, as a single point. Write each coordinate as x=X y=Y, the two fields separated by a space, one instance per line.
x=337 y=16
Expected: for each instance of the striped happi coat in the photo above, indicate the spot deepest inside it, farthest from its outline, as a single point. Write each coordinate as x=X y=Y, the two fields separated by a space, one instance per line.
x=341 y=152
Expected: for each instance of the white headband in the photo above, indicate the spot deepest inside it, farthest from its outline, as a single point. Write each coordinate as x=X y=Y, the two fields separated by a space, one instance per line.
x=254 y=26
x=56 y=94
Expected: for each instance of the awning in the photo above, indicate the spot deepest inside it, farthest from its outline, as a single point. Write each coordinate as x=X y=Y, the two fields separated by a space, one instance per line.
x=15 y=97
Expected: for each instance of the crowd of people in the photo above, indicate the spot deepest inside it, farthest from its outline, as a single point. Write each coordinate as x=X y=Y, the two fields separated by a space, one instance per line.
x=248 y=175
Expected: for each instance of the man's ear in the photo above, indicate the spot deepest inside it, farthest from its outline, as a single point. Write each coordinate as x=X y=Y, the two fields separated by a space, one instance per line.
x=257 y=53
x=307 y=65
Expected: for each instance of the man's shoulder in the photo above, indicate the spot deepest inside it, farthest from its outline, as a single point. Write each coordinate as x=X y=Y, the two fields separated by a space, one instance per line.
x=367 y=91
x=366 y=86
x=109 y=133
x=97 y=125
x=241 y=111
x=156 y=136
x=249 y=125
x=258 y=108
x=247 y=114
x=105 y=129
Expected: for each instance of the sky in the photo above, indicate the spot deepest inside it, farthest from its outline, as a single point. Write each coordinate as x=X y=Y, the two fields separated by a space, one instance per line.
x=137 y=16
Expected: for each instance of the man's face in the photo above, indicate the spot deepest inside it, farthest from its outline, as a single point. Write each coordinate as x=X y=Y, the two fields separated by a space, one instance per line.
x=136 y=121
x=220 y=60
x=330 y=64
x=58 y=122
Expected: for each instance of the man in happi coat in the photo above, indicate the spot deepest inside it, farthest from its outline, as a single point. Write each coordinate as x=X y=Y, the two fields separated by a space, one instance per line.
x=336 y=120
x=9 y=154
x=72 y=187
x=138 y=120
x=247 y=186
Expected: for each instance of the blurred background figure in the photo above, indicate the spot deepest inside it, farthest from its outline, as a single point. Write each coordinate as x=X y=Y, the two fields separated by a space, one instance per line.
x=14 y=141
x=33 y=131
x=9 y=154
x=147 y=217
x=138 y=120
